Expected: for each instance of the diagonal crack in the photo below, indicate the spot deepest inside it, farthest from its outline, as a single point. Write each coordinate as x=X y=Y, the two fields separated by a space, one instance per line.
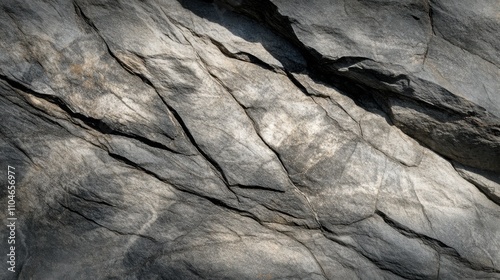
x=106 y=227
x=93 y=123
x=332 y=237
x=212 y=163
x=90 y=23
x=304 y=90
x=100 y=202
x=213 y=200
x=278 y=157
x=441 y=35
x=242 y=56
x=437 y=245
x=309 y=251
x=96 y=124
x=491 y=195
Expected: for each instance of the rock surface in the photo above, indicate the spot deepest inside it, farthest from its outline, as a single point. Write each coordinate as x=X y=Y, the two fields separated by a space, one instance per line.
x=243 y=139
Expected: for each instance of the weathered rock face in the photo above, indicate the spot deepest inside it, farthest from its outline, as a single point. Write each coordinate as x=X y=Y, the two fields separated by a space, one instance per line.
x=244 y=139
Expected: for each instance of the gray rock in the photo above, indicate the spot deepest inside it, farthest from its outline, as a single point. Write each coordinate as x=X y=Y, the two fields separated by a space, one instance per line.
x=251 y=139
x=405 y=53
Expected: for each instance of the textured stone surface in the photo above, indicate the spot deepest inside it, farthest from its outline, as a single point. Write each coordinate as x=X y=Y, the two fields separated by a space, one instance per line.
x=429 y=68
x=244 y=139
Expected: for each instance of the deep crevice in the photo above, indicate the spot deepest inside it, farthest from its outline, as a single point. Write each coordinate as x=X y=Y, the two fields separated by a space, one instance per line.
x=207 y=157
x=96 y=124
x=242 y=56
x=255 y=187
x=348 y=81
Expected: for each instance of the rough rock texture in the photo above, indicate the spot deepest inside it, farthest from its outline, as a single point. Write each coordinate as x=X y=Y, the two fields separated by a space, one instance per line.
x=244 y=139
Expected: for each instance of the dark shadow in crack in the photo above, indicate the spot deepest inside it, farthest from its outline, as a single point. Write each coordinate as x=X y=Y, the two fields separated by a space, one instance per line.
x=251 y=31
x=286 y=50
x=60 y=199
x=372 y=90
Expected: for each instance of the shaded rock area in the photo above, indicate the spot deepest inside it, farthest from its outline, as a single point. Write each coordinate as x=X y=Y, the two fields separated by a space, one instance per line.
x=242 y=139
